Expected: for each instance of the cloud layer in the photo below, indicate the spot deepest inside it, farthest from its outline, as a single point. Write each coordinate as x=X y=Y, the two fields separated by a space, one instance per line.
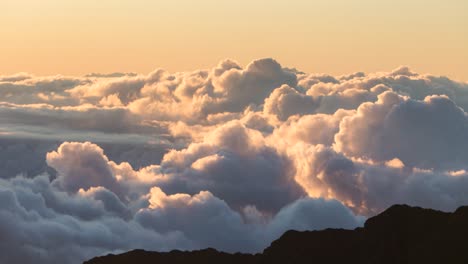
x=228 y=157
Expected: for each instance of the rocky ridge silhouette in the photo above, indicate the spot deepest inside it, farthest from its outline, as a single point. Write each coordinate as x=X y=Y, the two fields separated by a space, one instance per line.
x=400 y=234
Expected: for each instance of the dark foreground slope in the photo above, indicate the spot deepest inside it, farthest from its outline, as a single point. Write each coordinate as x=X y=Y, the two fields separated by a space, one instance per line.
x=401 y=234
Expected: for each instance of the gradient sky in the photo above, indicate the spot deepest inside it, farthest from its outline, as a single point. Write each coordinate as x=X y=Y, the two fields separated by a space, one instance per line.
x=332 y=36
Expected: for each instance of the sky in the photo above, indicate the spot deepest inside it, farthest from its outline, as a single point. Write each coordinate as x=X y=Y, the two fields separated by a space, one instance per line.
x=183 y=125
x=334 y=36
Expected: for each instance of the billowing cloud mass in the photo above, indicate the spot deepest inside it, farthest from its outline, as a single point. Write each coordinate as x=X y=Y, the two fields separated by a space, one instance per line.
x=229 y=157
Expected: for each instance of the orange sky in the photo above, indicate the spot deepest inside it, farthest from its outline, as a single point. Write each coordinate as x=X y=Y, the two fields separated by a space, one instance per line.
x=332 y=36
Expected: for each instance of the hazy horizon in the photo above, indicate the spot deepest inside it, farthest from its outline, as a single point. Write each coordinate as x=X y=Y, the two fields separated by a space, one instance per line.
x=335 y=37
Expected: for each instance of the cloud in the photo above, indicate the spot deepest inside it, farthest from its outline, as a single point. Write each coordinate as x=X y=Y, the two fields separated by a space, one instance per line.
x=110 y=75
x=36 y=231
x=312 y=129
x=212 y=223
x=426 y=134
x=286 y=101
x=227 y=157
x=38 y=214
x=313 y=214
x=82 y=166
x=369 y=187
x=252 y=85
x=202 y=217
x=232 y=156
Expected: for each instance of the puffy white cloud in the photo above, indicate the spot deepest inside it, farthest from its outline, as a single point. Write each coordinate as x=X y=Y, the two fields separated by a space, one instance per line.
x=369 y=187
x=312 y=214
x=82 y=166
x=39 y=214
x=312 y=129
x=425 y=134
x=202 y=217
x=210 y=221
x=34 y=230
x=252 y=85
x=286 y=101
x=229 y=157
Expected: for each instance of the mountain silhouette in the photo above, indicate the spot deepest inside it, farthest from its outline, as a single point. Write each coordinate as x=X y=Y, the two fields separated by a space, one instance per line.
x=401 y=234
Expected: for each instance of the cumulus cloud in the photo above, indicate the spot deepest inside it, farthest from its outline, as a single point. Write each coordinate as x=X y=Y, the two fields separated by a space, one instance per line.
x=286 y=101
x=81 y=219
x=228 y=157
x=312 y=129
x=213 y=224
x=426 y=134
x=368 y=187
x=37 y=230
x=82 y=166
x=252 y=85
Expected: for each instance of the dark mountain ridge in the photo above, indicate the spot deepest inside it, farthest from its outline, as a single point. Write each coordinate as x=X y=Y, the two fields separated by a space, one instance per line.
x=401 y=234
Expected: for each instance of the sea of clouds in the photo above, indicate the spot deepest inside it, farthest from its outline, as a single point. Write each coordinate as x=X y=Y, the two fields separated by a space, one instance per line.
x=230 y=157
